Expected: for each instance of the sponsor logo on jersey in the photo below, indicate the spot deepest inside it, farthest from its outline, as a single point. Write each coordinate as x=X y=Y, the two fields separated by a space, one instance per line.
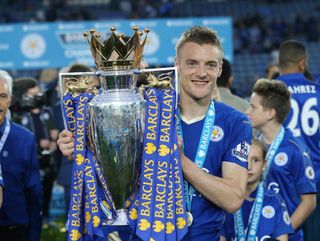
x=268 y=212
x=273 y=186
x=241 y=151
x=281 y=159
x=217 y=134
x=309 y=173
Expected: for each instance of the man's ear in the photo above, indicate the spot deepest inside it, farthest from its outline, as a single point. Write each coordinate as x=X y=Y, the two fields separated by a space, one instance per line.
x=220 y=70
x=176 y=62
x=9 y=100
x=271 y=113
x=302 y=64
x=230 y=81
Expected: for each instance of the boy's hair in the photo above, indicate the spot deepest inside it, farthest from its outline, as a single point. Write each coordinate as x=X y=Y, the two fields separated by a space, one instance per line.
x=262 y=147
x=290 y=53
x=275 y=94
x=200 y=35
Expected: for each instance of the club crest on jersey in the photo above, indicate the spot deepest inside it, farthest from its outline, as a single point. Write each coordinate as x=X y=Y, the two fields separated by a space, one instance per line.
x=281 y=159
x=268 y=212
x=241 y=151
x=217 y=134
x=286 y=217
x=309 y=173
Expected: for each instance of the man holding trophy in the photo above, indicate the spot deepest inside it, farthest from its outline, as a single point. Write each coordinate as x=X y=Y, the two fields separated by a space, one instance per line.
x=214 y=142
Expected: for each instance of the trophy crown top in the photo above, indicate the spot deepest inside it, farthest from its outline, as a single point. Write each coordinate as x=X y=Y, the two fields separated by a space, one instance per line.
x=118 y=52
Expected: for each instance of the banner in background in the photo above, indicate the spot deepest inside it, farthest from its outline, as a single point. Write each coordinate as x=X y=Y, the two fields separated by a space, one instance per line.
x=45 y=45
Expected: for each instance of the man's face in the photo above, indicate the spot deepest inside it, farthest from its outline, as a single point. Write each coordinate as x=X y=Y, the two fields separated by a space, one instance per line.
x=256 y=163
x=198 y=66
x=256 y=112
x=5 y=100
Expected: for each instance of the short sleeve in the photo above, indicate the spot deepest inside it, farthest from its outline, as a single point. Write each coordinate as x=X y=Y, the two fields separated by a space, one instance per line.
x=302 y=170
x=239 y=141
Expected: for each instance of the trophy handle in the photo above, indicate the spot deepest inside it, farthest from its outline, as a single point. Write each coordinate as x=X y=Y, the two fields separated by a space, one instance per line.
x=163 y=75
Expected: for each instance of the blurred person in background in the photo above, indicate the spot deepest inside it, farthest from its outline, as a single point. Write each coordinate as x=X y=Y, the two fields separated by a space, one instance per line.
x=272 y=71
x=30 y=109
x=224 y=83
x=289 y=171
x=304 y=117
x=20 y=215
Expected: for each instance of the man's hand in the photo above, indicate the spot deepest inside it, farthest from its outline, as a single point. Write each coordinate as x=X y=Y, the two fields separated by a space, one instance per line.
x=66 y=143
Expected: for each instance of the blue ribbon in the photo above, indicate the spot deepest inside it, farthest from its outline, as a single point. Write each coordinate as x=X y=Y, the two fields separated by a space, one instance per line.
x=163 y=166
x=272 y=152
x=158 y=211
x=255 y=213
x=68 y=108
x=179 y=192
x=254 y=218
x=85 y=216
x=149 y=159
x=202 y=147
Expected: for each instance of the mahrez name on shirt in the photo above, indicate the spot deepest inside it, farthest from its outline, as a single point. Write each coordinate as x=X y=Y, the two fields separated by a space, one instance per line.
x=302 y=89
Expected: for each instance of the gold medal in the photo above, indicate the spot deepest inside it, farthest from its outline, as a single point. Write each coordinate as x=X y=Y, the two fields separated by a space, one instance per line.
x=189 y=219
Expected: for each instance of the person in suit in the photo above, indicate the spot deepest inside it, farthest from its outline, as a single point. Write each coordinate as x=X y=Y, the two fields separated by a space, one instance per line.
x=20 y=215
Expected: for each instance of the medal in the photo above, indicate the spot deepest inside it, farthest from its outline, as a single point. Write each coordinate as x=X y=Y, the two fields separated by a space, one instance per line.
x=189 y=219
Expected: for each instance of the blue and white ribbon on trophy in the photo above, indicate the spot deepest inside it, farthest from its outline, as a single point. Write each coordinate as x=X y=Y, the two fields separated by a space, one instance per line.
x=159 y=210
x=88 y=188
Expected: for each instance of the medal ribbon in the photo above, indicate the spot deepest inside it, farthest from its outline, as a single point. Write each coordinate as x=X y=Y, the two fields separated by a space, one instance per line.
x=3 y=140
x=272 y=152
x=253 y=219
x=179 y=192
x=255 y=213
x=202 y=147
x=5 y=134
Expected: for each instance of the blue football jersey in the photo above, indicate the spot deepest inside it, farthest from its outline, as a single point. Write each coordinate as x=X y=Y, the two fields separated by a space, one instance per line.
x=291 y=173
x=230 y=141
x=304 y=117
x=274 y=218
x=1 y=178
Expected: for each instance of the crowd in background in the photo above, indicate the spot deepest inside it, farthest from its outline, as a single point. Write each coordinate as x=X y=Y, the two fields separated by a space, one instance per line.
x=254 y=32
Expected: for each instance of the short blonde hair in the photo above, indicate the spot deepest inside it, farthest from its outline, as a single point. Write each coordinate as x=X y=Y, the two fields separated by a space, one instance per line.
x=200 y=35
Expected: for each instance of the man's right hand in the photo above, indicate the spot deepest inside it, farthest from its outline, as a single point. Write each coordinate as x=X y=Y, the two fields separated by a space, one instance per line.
x=66 y=143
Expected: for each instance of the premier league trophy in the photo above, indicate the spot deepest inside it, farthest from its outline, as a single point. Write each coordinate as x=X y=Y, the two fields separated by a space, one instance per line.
x=117 y=115
x=127 y=169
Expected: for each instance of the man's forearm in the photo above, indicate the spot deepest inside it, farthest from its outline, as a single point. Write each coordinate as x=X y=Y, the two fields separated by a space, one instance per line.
x=224 y=192
x=303 y=211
